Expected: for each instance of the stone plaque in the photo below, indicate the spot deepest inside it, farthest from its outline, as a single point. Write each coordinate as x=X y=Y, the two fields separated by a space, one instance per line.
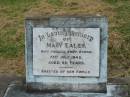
x=66 y=51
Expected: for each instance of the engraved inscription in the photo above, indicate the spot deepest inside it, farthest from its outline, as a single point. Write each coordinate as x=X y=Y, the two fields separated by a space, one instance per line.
x=66 y=51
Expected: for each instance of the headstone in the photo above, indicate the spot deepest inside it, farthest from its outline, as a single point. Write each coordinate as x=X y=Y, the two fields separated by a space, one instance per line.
x=66 y=54
x=66 y=57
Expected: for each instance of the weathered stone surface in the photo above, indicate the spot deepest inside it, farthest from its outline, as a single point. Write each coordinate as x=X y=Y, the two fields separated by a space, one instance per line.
x=74 y=83
x=113 y=90
x=98 y=88
x=5 y=80
x=66 y=52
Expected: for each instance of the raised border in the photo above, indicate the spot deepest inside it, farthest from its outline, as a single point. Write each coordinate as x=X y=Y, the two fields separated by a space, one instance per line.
x=75 y=84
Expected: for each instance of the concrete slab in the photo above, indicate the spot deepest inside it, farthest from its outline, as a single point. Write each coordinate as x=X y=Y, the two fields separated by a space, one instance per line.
x=5 y=80
x=113 y=90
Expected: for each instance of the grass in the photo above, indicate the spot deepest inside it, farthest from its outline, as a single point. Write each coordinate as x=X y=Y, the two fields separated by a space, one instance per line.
x=119 y=54
x=12 y=26
x=111 y=1
x=15 y=2
x=13 y=12
x=55 y=2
